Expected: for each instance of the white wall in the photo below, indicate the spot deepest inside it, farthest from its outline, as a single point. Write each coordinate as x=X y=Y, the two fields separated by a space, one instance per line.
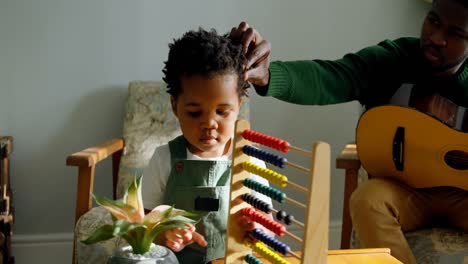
x=65 y=65
x=4 y=90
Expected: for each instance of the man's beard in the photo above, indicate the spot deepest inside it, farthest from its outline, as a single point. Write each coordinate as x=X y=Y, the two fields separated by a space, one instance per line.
x=441 y=69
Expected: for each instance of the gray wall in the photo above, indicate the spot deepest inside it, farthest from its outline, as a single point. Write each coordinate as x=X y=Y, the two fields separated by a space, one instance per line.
x=65 y=65
x=4 y=89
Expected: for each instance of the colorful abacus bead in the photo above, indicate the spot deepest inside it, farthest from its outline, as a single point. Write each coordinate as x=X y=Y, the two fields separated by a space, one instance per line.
x=289 y=219
x=267 y=222
x=270 y=175
x=285 y=217
x=271 y=192
x=265 y=156
x=250 y=259
x=275 y=244
x=266 y=140
x=280 y=215
x=257 y=203
x=265 y=252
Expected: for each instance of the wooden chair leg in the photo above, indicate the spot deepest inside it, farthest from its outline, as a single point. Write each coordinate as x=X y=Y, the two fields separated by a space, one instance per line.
x=115 y=171
x=74 y=251
x=350 y=186
x=84 y=197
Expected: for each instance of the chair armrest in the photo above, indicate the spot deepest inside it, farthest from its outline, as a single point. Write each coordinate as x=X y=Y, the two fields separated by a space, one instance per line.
x=348 y=158
x=91 y=156
x=86 y=161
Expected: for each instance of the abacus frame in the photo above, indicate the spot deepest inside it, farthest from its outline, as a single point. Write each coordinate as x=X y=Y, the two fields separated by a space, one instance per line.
x=315 y=238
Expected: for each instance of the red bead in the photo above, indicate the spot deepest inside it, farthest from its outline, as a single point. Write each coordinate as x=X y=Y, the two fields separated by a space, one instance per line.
x=285 y=146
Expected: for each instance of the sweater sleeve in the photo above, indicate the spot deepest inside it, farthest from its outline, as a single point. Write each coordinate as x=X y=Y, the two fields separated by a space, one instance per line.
x=367 y=75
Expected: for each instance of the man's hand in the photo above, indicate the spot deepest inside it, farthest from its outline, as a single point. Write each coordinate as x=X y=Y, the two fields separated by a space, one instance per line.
x=257 y=51
x=178 y=238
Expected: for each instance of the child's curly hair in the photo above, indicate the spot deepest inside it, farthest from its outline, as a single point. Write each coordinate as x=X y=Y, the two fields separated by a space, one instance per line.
x=203 y=53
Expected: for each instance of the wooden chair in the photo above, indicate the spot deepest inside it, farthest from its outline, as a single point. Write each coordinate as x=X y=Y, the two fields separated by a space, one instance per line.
x=446 y=246
x=148 y=123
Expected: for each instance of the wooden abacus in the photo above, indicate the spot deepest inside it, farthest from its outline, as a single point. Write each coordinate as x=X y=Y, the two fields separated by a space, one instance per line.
x=314 y=242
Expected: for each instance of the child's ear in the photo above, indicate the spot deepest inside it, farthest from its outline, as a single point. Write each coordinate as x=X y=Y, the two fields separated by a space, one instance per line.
x=174 y=105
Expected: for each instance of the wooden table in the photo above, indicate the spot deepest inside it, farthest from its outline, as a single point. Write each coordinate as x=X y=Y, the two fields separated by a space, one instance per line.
x=350 y=256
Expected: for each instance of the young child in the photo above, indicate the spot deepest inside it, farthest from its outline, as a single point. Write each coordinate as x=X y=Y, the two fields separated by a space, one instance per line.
x=204 y=75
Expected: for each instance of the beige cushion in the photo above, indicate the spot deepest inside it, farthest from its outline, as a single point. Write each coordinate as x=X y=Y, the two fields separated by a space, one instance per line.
x=148 y=123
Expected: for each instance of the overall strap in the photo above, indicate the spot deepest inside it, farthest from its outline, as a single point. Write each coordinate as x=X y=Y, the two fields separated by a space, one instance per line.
x=178 y=148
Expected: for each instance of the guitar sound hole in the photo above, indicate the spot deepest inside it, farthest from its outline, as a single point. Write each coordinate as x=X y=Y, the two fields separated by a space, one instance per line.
x=457 y=159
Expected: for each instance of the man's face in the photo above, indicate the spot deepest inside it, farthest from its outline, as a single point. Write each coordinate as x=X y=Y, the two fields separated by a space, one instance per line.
x=444 y=36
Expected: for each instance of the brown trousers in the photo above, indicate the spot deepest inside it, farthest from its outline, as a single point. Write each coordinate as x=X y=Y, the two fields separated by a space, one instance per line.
x=382 y=209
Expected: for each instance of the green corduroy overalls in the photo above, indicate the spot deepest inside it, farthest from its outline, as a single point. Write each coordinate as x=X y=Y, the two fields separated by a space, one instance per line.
x=203 y=187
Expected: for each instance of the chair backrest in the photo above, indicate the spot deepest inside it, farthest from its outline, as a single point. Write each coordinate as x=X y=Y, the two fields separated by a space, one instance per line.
x=148 y=123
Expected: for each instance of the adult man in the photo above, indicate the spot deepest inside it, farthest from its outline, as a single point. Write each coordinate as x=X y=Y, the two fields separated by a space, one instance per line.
x=436 y=63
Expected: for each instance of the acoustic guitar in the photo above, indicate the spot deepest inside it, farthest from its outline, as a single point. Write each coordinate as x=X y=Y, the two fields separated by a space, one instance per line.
x=415 y=147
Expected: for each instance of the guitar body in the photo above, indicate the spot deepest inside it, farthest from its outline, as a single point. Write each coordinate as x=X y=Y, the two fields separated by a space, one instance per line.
x=412 y=147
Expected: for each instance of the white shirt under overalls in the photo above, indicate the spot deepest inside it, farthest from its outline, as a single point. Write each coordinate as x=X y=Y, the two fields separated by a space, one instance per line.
x=156 y=175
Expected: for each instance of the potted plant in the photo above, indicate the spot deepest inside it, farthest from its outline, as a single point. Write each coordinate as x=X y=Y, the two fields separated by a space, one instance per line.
x=138 y=229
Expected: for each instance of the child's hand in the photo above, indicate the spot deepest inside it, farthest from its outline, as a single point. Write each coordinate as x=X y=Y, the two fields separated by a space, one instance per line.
x=248 y=225
x=178 y=238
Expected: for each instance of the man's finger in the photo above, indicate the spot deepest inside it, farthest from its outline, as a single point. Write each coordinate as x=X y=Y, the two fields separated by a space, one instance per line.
x=258 y=54
x=243 y=26
x=236 y=32
x=249 y=40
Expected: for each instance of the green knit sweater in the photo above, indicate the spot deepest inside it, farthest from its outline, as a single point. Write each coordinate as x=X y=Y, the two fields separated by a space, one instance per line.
x=371 y=76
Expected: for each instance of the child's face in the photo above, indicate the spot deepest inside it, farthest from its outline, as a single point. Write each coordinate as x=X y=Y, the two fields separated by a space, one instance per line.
x=207 y=109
